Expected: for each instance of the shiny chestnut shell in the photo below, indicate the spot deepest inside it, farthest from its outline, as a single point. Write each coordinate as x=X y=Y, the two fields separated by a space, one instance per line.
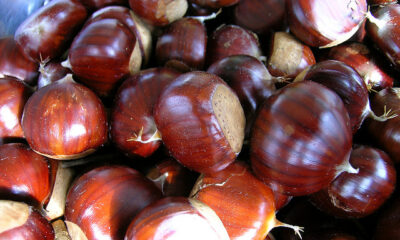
x=289 y=126
x=64 y=120
x=51 y=72
x=106 y=199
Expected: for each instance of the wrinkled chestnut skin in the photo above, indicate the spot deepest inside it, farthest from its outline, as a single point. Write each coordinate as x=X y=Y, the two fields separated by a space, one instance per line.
x=244 y=204
x=358 y=195
x=100 y=45
x=386 y=35
x=388 y=224
x=106 y=199
x=14 y=63
x=51 y=72
x=324 y=22
x=13 y=96
x=97 y=4
x=230 y=40
x=184 y=40
x=24 y=174
x=359 y=57
x=345 y=82
x=133 y=110
x=46 y=34
x=215 y=3
x=384 y=133
x=64 y=120
x=300 y=136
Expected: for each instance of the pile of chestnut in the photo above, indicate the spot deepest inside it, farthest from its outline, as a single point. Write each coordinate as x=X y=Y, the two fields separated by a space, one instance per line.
x=201 y=119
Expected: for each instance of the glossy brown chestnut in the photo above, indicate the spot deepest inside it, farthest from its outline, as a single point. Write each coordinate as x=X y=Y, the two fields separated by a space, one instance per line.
x=250 y=80
x=347 y=83
x=230 y=40
x=103 y=53
x=102 y=202
x=159 y=12
x=244 y=204
x=46 y=33
x=14 y=63
x=359 y=57
x=201 y=121
x=215 y=3
x=359 y=194
x=132 y=125
x=324 y=23
x=13 y=96
x=176 y=218
x=260 y=16
x=288 y=56
x=97 y=4
x=19 y=221
x=64 y=120
x=51 y=72
x=384 y=134
x=384 y=32
x=172 y=178
x=184 y=40
x=388 y=224
x=301 y=139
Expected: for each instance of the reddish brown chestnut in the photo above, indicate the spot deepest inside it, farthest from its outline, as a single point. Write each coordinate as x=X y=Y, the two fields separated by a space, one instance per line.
x=51 y=72
x=64 y=120
x=230 y=40
x=159 y=12
x=13 y=96
x=287 y=130
x=46 y=33
x=359 y=194
x=132 y=125
x=176 y=218
x=14 y=63
x=19 y=221
x=359 y=57
x=244 y=204
x=201 y=121
x=102 y=202
x=324 y=23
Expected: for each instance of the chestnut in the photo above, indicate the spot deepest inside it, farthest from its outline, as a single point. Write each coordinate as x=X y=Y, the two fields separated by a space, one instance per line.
x=176 y=218
x=64 y=120
x=20 y=221
x=51 y=72
x=132 y=125
x=102 y=202
x=289 y=126
x=159 y=12
x=45 y=34
x=324 y=23
x=201 y=121
x=359 y=194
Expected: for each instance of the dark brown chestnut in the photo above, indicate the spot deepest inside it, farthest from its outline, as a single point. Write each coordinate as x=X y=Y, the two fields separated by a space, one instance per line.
x=14 y=63
x=360 y=57
x=20 y=221
x=359 y=194
x=176 y=218
x=159 y=12
x=102 y=202
x=229 y=40
x=201 y=121
x=64 y=120
x=244 y=204
x=46 y=33
x=51 y=72
x=324 y=23
x=301 y=139
x=132 y=125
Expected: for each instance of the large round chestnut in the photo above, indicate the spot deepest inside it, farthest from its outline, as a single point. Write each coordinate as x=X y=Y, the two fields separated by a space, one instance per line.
x=325 y=23
x=13 y=96
x=64 y=120
x=301 y=139
x=132 y=125
x=176 y=218
x=102 y=202
x=22 y=222
x=359 y=194
x=201 y=121
x=46 y=34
